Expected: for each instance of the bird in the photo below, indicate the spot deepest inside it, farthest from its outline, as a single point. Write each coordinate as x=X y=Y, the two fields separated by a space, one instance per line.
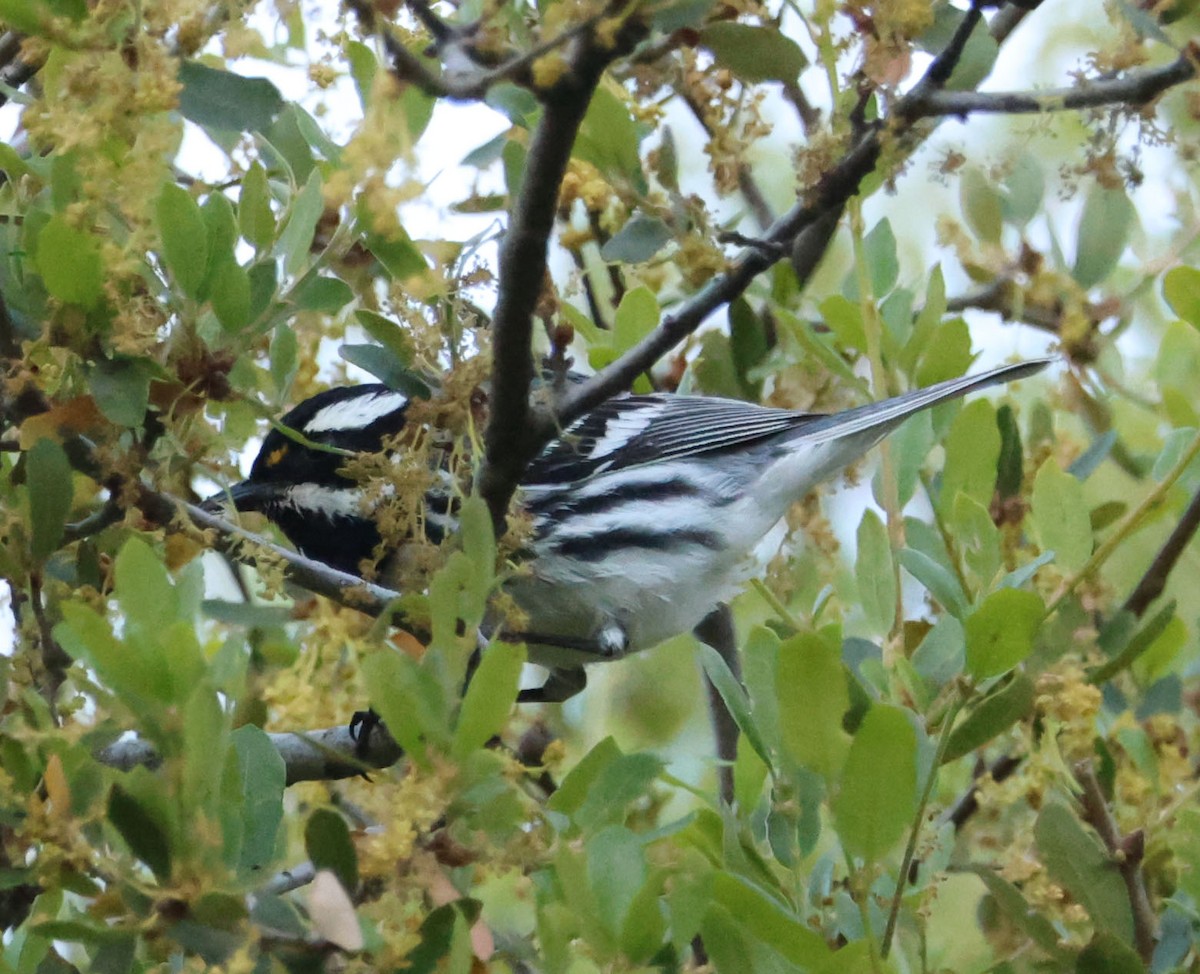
x=645 y=511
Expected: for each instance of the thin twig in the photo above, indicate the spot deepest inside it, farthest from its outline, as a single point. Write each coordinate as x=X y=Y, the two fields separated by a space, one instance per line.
x=1135 y=89
x=55 y=660
x=1000 y=297
x=747 y=184
x=716 y=630
x=1126 y=526
x=1152 y=583
x=1127 y=852
x=910 y=848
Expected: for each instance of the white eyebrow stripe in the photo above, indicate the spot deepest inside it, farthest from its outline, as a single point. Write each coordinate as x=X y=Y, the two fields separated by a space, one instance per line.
x=355 y=413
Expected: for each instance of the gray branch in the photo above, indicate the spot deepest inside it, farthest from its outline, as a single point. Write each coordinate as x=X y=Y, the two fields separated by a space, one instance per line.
x=320 y=755
x=1135 y=89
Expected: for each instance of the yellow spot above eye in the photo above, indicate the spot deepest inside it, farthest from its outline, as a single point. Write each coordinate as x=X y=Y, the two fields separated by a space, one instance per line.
x=276 y=455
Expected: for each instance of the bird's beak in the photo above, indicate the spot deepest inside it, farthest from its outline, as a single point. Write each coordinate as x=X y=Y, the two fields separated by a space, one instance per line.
x=245 y=496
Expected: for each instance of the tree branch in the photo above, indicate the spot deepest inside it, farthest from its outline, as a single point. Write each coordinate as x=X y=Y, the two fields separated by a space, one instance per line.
x=1151 y=584
x=716 y=630
x=1127 y=852
x=319 y=755
x=1136 y=88
x=926 y=100
x=511 y=439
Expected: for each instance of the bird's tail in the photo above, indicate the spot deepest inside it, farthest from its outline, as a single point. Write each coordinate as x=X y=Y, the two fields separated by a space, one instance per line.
x=885 y=415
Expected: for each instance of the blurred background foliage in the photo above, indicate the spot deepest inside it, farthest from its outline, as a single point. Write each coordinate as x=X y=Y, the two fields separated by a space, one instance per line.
x=211 y=211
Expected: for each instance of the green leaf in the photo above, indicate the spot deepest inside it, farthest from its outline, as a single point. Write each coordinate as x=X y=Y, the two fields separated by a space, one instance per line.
x=296 y=238
x=754 y=53
x=284 y=352
x=121 y=388
x=977 y=539
x=221 y=232
x=875 y=572
x=878 y=793
x=51 y=490
x=813 y=699
x=981 y=205
x=184 y=238
x=255 y=217
x=142 y=831
x=1010 y=467
x=910 y=445
x=624 y=780
x=972 y=453
x=229 y=292
x=768 y=921
x=879 y=251
x=637 y=316
x=616 y=869
x=942 y=652
x=1060 y=515
x=1105 y=954
x=608 y=138
x=844 y=318
x=749 y=345
x=263 y=778
x=736 y=701
x=937 y=579
x=410 y=701
x=328 y=844
x=388 y=333
x=1024 y=187
x=991 y=717
x=1000 y=631
x=1077 y=862
x=327 y=295
x=227 y=101
x=363 y=67
x=1181 y=290
x=69 y=262
x=382 y=363
x=489 y=698
x=1019 y=910
x=642 y=933
x=1108 y=217
x=575 y=786
x=635 y=243
x=946 y=354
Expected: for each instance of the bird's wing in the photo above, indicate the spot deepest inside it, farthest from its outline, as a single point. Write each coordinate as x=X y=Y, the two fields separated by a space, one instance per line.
x=633 y=430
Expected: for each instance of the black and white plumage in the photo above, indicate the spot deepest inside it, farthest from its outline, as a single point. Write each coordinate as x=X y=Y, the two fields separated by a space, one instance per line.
x=645 y=511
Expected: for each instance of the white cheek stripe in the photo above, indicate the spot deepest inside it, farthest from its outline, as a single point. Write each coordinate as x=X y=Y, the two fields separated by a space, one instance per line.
x=355 y=413
x=328 y=501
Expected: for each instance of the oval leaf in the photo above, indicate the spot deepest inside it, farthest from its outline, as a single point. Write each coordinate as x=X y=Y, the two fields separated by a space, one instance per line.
x=878 y=793
x=1000 y=631
x=70 y=265
x=754 y=53
x=1061 y=517
x=48 y=474
x=184 y=238
x=813 y=699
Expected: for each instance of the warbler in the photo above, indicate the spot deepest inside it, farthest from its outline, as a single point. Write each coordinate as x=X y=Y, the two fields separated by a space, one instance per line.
x=645 y=511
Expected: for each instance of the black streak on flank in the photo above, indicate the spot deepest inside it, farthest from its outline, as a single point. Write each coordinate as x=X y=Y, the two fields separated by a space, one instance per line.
x=595 y=547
